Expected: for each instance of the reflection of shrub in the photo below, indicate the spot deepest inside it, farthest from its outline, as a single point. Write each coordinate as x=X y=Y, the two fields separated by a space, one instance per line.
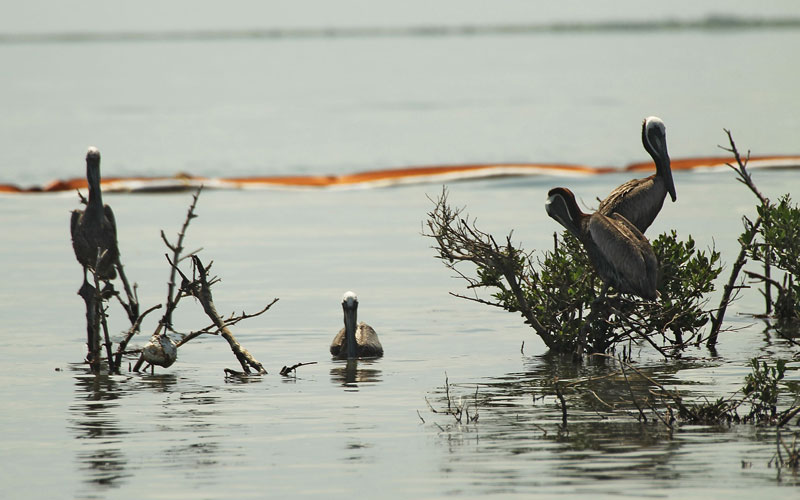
x=761 y=387
x=559 y=294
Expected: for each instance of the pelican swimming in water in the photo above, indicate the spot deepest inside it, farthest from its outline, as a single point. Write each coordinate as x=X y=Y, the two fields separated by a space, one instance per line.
x=95 y=227
x=355 y=340
x=618 y=251
x=640 y=200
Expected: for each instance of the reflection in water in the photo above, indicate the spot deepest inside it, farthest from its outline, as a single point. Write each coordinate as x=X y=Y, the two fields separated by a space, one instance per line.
x=92 y=419
x=348 y=373
x=158 y=424
x=520 y=417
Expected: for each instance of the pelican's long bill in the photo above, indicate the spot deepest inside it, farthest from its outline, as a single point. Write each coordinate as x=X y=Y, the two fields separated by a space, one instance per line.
x=655 y=141
x=350 y=309
x=558 y=208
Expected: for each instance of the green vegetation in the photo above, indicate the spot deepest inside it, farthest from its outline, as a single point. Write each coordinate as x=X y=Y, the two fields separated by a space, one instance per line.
x=558 y=293
x=778 y=245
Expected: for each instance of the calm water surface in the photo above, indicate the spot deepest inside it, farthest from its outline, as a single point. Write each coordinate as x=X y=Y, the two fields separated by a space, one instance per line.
x=317 y=106
x=336 y=429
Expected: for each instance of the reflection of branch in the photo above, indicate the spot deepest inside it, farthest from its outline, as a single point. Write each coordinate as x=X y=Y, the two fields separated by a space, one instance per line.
x=674 y=397
x=560 y=396
x=642 y=416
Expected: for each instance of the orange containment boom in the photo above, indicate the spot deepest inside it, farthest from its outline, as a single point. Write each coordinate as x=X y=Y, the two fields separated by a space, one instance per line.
x=391 y=177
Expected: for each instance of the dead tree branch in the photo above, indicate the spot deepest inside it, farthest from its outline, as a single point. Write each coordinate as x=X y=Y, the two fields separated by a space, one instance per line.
x=132 y=305
x=200 y=288
x=746 y=241
x=459 y=240
x=133 y=330
x=90 y=296
x=177 y=250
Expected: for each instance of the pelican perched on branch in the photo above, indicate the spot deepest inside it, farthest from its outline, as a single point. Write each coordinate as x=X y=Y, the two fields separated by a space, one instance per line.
x=618 y=251
x=94 y=228
x=355 y=340
x=640 y=200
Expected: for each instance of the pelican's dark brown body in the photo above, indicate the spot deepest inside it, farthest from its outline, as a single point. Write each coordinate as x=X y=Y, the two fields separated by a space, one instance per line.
x=367 y=344
x=640 y=200
x=95 y=227
x=618 y=251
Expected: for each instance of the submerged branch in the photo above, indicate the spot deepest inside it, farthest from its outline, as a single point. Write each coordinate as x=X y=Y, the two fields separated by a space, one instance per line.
x=286 y=370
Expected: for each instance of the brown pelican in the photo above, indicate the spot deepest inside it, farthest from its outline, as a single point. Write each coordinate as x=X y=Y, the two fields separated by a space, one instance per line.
x=618 y=251
x=355 y=340
x=95 y=228
x=640 y=200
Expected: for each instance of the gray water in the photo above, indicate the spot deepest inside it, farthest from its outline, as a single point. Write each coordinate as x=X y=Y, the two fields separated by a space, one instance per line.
x=255 y=107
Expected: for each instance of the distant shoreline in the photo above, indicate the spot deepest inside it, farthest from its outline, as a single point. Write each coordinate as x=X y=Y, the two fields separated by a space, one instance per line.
x=709 y=24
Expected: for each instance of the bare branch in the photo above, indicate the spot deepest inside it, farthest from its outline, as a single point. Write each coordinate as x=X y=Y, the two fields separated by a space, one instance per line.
x=286 y=370
x=177 y=249
x=129 y=334
x=201 y=290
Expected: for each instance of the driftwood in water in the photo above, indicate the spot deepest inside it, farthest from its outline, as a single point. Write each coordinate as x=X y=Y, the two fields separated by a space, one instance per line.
x=286 y=370
x=161 y=350
x=200 y=288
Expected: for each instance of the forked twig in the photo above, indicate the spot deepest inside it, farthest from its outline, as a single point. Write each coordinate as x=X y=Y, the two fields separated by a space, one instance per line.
x=286 y=370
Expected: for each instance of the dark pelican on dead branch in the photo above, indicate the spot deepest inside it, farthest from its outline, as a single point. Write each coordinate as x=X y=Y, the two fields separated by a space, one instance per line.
x=95 y=228
x=618 y=251
x=640 y=200
x=355 y=340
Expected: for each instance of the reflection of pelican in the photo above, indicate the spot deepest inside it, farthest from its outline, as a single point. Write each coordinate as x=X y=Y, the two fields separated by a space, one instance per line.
x=95 y=228
x=640 y=200
x=355 y=340
x=618 y=251
x=355 y=372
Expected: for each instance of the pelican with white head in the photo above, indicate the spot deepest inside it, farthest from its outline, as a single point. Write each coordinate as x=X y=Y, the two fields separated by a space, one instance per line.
x=640 y=200
x=94 y=230
x=355 y=340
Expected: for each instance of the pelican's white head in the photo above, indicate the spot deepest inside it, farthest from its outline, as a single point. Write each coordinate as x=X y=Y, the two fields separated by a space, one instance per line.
x=349 y=300
x=654 y=139
x=93 y=172
x=652 y=123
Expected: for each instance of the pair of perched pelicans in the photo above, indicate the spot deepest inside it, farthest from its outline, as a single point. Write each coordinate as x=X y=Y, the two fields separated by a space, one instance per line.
x=94 y=239
x=613 y=237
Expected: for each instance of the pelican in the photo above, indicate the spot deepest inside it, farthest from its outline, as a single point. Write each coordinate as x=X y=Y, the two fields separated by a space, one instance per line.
x=355 y=340
x=618 y=251
x=95 y=227
x=640 y=200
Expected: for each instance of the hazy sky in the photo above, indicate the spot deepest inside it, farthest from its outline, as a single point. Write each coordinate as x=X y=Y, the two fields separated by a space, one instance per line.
x=37 y=16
